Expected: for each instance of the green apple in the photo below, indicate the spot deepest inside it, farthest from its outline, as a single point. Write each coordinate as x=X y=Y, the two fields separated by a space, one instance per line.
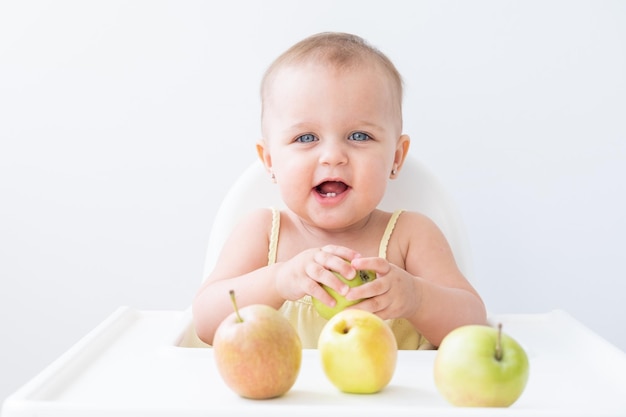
x=358 y=351
x=341 y=303
x=257 y=351
x=479 y=366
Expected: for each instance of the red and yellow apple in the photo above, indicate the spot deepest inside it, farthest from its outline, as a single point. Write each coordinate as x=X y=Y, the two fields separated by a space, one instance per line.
x=257 y=351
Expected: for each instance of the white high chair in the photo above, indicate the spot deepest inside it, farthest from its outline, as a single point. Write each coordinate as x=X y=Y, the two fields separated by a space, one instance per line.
x=415 y=189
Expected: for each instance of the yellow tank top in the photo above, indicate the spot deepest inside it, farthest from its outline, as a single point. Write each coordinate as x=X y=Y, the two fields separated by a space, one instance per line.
x=309 y=323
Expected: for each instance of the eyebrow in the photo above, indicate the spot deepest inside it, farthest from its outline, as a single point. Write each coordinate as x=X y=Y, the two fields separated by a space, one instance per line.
x=312 y=125
x=300 y=126
x=370 y=125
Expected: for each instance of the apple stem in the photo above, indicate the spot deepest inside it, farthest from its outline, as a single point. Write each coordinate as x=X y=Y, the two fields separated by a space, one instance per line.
x=232 y=298
x=499 y=343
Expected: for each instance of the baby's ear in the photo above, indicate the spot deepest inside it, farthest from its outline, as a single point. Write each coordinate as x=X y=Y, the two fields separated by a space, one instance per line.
x=264 y=155
x=402 y=150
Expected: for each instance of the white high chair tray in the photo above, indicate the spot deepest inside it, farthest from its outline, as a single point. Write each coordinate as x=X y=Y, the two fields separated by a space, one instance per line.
x=133 y=365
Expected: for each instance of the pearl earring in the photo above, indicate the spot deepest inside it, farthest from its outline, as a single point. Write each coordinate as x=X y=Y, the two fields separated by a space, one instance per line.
x=394 y=171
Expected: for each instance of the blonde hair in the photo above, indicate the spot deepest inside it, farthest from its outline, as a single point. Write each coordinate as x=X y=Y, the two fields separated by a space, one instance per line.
x=342 y=50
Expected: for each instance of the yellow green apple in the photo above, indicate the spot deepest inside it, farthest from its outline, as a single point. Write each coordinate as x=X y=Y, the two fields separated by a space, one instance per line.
x=358 y=352
x=326 y=311
x=257 y=351
x=479 y=366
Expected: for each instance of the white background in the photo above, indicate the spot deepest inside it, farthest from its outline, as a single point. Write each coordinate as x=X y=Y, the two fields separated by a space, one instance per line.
x=123 y=123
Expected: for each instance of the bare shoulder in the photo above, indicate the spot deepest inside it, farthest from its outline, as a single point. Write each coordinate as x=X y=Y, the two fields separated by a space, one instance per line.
x=419 y=243
x=259 y=217
x=415 y=231
x=254 y=227
x=413 y=222
x=246 y=247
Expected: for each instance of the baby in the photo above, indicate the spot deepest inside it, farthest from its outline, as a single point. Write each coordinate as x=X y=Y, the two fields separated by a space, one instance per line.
x=331 y=140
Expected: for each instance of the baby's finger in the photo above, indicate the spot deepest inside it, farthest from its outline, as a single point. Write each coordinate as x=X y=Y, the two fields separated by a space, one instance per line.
x=373 y=305
x=322 y=275
x=342 y=252
x=368 y=290
x=379 y=265
x=335 y=263
x=315 y=290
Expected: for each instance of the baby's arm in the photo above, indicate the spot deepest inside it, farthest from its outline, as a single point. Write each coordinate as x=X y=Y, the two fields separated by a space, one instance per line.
x=427 y=288
x=242 y=267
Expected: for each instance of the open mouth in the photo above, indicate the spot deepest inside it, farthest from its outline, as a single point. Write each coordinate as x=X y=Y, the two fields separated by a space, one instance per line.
x=330 y=189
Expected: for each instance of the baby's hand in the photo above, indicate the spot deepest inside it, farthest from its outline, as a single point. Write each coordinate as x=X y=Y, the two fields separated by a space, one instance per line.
x=393 y=294
x=303 y=274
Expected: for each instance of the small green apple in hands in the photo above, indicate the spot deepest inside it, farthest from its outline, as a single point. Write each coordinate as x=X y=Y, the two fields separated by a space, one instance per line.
x=341 y=302
x=479 y=366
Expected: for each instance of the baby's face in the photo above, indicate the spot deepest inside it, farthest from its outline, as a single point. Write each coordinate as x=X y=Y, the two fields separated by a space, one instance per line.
x=331 y=139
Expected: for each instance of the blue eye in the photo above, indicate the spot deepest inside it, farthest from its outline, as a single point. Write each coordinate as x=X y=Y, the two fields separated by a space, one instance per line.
x=306 y=138
x=359 y=136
